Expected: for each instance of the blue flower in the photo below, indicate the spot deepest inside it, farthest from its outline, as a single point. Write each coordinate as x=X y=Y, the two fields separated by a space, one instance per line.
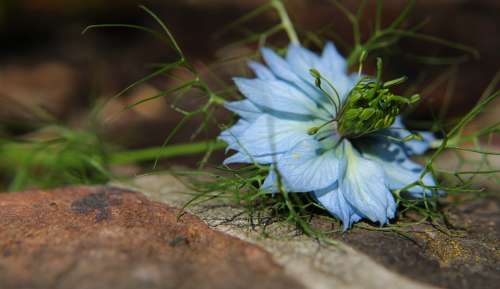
x=289 y=120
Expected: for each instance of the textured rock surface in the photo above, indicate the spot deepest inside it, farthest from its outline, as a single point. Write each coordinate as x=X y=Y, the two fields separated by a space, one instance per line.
x=111 y=238
x=317 y=266
x=105 y=237
x=468 y=259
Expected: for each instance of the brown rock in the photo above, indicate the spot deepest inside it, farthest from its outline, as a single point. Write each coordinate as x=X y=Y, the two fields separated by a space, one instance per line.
x=36 y=92
x=110 y=238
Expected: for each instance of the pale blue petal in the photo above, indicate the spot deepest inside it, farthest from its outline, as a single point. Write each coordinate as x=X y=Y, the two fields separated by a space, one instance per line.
x=331 y=65
x=336 y=204
x=308 y=167
x=244 y=108
x=301 y=61
x=400 y=175
x=272 y=135
x=412 y=147
x=399 y=169
x=246 y=158
x=284 y=71
x=277 y=95
x=418 y=147
x=261 y=71
x=363 y=186
x=232 y=134
x=271 y=182
x=334 y=68
x=332 y=57
x=279 y=66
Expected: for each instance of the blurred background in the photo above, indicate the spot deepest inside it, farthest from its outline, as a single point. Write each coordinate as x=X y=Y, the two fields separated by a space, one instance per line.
x=52 y=74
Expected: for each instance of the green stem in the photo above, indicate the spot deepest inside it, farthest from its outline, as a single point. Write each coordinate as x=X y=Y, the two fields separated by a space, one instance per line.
x=285 y=21
x=125 y=157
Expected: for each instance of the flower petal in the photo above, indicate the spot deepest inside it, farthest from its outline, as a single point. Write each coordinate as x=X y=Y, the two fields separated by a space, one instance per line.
x=333 y=59
x=271 y=182
x=400 y=170
x=337 y=205
x=261 y=71
x=244 y=108
x=308 y=167
x=271 y=135
x=363 y=186
x=334 y=68
x=277 y=96
x=232 y=134
x=246 y=158
x=412 y=147
x=301 y=60
x=284 y=71
x=279 y=66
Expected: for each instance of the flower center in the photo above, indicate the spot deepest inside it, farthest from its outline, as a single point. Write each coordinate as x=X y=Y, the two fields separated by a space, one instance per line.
x=370 y=105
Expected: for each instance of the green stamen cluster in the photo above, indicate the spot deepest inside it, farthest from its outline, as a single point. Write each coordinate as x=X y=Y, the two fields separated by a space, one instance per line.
x=371 y=106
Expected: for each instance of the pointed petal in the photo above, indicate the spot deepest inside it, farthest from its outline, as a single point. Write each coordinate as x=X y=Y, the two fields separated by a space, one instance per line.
x=336 y=204
x=279 y=66
x=284 y=71
x=334 y=68
x=269 y=135
x=301 y=60
x=418 y=147
x=271 y=182
x=332 y=57
x=245 y=158
x=244 y=108
x=412 y=147
x=232 y=134
x=277 y=95
x=400 y=170
x=331 y=65
x=363 y=186
x=261 y=71
x=307 y=167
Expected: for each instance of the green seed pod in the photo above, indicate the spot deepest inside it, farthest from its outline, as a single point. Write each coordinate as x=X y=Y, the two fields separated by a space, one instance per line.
x=367 y=113
x=388 y=120
x=396 y=81
x=315 y=73
x=313 y=130
x=317 y=82
x=394 y=110
x=352 y=113
x=379 y=124
x=360 y=127
x=414 y=98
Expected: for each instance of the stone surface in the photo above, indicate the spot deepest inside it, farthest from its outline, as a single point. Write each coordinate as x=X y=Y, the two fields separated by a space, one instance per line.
x=37 y=92
x=105 y=237
x=317 y=265
x=468 y=258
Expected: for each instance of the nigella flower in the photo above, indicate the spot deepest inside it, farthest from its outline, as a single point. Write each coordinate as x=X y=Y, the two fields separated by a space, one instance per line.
x=334 y=135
